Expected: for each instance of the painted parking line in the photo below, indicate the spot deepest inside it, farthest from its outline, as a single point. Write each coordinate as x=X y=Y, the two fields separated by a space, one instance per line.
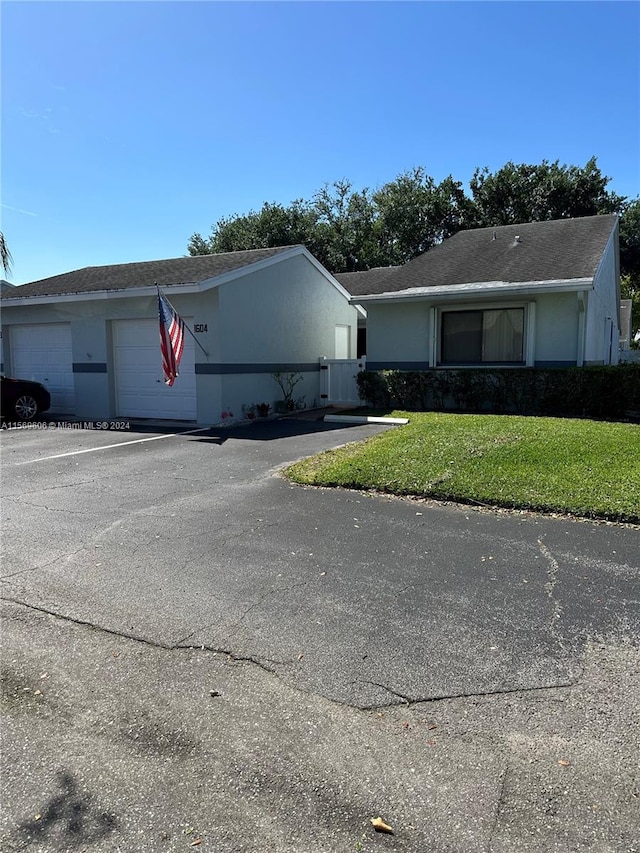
x=111 y=446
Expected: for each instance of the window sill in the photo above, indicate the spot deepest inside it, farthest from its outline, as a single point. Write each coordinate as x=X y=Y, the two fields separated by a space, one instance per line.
x=485 y=365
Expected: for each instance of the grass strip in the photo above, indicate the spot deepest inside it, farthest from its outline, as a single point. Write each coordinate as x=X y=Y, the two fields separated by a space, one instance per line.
x=580 y=467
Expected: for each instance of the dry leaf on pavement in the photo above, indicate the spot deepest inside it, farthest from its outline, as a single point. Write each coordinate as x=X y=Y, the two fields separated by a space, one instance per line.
x=380 y=826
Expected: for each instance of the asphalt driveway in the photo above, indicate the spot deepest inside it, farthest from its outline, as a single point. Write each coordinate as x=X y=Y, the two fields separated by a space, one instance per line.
x=353 y=620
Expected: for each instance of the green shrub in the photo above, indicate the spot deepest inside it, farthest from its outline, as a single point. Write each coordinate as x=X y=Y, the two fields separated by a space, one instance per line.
x=372 y=388
x=595 y=392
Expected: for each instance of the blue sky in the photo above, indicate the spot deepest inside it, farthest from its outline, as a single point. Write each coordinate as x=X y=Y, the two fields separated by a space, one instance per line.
x=127 y=126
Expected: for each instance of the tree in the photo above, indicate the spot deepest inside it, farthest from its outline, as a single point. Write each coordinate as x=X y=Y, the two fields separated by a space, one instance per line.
x=337 y=227
x=630 y=260
x=630 y=239
x=346 y=227
x=272 y=225
x=5 y=255
x=356 y=230
x=529 y=193
x=416 y=213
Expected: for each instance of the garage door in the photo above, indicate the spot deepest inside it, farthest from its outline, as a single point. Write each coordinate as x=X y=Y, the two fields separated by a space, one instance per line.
x=43 y=352
x=140 y=388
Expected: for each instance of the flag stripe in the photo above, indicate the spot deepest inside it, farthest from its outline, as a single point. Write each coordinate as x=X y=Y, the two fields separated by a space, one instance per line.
x=171 y=338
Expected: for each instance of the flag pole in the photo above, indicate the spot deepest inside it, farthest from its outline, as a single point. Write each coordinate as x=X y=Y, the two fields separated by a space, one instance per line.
x=186 y=327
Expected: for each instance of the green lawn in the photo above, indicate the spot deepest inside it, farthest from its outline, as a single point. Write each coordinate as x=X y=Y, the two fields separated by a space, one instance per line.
x=586 y=468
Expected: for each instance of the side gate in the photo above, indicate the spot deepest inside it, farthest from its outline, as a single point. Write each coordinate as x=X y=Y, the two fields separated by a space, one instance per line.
x=338 y=380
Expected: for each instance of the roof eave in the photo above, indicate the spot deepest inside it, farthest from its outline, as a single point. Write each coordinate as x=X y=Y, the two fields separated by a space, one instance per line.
x=478 y=290
x=92 y=295
x=150 y=290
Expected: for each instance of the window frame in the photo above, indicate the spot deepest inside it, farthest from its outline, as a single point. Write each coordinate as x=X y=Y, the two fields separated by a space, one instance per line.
x=528 y=329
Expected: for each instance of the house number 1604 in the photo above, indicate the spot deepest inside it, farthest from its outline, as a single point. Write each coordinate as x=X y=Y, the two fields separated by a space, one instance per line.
x=199 y=327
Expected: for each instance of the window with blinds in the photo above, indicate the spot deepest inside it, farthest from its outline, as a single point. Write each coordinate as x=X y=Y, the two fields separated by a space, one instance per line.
x=489 y=336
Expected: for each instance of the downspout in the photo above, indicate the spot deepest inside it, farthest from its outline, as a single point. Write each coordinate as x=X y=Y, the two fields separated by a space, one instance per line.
x=582 y=325
x=530 y=353
x=433 y=337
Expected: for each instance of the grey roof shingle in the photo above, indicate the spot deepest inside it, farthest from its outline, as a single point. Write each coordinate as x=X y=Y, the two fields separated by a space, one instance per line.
x=546 y=251
x=364 y=281
x=187 y=270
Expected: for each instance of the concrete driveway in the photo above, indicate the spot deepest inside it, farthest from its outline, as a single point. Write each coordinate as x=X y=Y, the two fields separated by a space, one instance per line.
x=196 y=650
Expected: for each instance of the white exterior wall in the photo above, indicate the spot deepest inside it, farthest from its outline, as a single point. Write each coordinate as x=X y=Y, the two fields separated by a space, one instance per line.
x=557 y=330
x=603 y=310
x=398 y=333
x=279 y=318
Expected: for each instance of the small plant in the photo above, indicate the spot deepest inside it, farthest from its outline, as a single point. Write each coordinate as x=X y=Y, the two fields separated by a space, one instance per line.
x=286 y=382
x=249 y=412
x=263 y=409
x=359 y=845
x=227 y=415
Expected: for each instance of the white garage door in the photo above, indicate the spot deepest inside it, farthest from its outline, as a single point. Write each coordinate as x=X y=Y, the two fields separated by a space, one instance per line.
x=43 y=352
x=140 y=388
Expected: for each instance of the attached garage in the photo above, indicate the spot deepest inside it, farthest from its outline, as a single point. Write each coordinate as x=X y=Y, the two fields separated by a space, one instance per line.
x=250 y=314
x=140 y=388
x=42 y=352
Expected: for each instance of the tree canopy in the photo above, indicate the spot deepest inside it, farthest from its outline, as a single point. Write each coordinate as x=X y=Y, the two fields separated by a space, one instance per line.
x=349 y=229
x=630 y=259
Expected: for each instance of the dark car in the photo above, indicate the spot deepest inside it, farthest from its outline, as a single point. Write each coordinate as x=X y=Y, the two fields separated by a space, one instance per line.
x=23 y=399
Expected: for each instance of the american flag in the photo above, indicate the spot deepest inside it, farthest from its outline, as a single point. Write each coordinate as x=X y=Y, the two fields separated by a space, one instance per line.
x=171 y=338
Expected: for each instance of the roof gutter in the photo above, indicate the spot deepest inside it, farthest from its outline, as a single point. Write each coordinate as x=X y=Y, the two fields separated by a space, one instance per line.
x=479 y=290
x=92 y=295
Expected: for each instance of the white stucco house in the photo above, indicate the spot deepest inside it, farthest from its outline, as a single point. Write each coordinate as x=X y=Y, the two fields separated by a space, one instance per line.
x=92 y=335
x=540 y=294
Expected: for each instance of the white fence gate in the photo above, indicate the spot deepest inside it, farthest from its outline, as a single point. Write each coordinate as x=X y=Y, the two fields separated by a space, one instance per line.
x=338 y=384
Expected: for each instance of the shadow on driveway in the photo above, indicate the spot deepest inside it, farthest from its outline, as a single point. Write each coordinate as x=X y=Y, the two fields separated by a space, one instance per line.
x=271 y=430
x=268 y=430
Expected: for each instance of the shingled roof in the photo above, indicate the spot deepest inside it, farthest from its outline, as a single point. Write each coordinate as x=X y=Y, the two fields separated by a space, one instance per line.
x=557 y=250
x=364 y=281
x=189 y=270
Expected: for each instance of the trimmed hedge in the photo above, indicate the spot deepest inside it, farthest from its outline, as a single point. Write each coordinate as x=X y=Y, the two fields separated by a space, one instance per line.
x=611 y=392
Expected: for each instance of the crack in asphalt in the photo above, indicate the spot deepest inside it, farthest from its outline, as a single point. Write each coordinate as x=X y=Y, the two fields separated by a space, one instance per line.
x=86 y=624
x=236 y=658
x=22 y=502
x=425 y=700
x=263 y=664
x=496 y=818
x=247 y=530
x=19 y=495
x=414 y=585
x=550 y=589
x=140 y=545
x=230 y=537
x=550 y=585
x=44 y=565
x=404 y=698
x=260 y=662
x=235 y=625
